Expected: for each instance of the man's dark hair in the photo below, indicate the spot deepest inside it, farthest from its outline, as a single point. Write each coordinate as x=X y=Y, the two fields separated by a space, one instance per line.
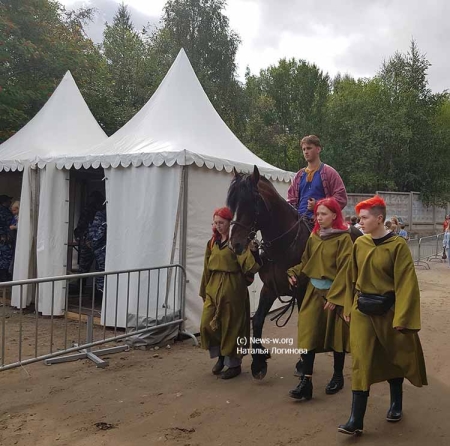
x=311 y=139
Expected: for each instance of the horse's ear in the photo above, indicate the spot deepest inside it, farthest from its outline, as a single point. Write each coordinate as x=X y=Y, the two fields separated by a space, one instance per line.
x=235 y=172
x=255 y=175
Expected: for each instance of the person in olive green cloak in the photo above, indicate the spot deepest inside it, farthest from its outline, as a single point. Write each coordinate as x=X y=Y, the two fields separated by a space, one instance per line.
x=385 y=347
x=321 y=327
x=226 y=310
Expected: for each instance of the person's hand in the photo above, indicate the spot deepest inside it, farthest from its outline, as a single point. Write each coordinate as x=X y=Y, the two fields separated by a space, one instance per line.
x=347 y=318
x=311 y=204
x=399 y=328
x=253 y=246
x=329 y=306
x=12 y=227
x=292 y=280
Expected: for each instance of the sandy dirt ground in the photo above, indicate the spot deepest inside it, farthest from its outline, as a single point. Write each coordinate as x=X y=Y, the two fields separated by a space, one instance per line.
x=169 y=397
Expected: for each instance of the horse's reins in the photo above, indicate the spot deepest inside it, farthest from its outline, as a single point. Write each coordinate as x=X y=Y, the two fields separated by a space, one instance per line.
x=290 y=304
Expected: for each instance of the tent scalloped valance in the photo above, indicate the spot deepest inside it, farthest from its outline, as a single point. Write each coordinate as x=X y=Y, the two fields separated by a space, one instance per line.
x=148 y=159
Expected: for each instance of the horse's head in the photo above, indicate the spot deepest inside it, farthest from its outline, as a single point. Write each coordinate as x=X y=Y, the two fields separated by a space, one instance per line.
x=244 y=201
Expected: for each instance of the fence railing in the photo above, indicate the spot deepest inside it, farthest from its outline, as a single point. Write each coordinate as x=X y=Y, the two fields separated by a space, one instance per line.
x=426 y=249
x=74 y=313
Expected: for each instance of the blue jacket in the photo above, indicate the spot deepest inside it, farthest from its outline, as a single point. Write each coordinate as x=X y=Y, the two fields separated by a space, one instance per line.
x=97 y=231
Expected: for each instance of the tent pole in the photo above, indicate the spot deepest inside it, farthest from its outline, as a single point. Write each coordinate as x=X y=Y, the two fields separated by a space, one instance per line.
x=175 y=238
x=35 y=190
x=183 y=249
x=184 y=185
x=71 y=204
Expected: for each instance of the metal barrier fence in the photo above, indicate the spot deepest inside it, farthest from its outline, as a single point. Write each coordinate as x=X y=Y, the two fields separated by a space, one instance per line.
x=133 y=303
x=426 y=249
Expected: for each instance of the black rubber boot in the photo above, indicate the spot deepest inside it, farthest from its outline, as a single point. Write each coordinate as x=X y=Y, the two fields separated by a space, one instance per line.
x=336 y=383
x=303 y=390
x=231 y=372
x=219 y=365
x=395 y=411
x=354 y=425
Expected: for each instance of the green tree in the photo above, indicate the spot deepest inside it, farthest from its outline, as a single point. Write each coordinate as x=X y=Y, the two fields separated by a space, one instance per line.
x=39 y=42
x=414 y=107
x=130 y=70
x=389 y=132
x=203 y=30
x=289 y=99
x=358 y=130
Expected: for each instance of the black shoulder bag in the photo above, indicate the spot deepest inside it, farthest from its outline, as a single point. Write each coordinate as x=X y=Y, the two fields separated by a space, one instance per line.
x=375 y=304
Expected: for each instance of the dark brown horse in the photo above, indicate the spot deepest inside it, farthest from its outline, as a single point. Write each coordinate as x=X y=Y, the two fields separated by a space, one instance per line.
x=257 y=206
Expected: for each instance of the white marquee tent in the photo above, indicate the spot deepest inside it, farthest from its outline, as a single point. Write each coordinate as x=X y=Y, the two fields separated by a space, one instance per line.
x=63 y=127
x=167 y=169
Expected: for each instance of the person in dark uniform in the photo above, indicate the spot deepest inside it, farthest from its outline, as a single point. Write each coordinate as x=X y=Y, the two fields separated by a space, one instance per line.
x=95 y=203
x=96 y=240
x=13 y=226
x=5 y=244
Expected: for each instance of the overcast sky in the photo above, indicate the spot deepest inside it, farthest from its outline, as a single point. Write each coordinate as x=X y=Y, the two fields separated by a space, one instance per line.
x=347 y=36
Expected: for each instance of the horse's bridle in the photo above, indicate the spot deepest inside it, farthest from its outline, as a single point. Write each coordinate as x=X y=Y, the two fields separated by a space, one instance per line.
x=253 y=229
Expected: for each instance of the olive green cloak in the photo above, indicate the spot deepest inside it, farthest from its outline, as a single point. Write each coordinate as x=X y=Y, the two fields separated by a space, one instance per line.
x=324 y=258
x=380 y=352
x=226 y=308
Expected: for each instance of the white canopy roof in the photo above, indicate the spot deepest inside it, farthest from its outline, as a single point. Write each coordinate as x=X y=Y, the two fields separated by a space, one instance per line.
x=63 y=127
x=177 y=125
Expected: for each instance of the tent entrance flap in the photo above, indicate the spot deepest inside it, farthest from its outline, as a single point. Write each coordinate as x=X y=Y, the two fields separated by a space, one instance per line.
x=52 y=237
x=142 y=207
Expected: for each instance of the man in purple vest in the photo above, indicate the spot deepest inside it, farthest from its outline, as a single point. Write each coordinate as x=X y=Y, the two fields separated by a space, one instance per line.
x=311 y=184
x=314 y=182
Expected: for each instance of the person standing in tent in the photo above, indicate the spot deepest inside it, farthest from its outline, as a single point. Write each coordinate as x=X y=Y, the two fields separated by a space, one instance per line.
x=13 y=225
x=314 y=182
x=5 y=245
x=321 y=327
x=96 y=240
x=225 y=323
x=95 y=203
x=382 y=304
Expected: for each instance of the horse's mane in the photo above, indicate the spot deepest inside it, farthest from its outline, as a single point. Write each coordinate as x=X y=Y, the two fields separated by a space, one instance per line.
x=243 y=191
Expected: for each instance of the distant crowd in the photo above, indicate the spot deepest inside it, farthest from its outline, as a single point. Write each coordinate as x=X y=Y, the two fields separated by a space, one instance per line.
x=393 y=225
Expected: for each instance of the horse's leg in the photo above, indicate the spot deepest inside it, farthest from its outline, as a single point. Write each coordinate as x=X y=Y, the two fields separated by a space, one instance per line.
x=259 y=363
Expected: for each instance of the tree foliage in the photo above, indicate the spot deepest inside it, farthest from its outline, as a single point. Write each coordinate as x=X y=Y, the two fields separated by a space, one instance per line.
x=285 y=102
x=39 y=42
x=388 y=132
x=131 y=74
x=203 y=30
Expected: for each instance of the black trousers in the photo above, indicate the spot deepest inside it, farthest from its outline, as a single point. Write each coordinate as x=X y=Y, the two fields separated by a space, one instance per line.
x=308 y=362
